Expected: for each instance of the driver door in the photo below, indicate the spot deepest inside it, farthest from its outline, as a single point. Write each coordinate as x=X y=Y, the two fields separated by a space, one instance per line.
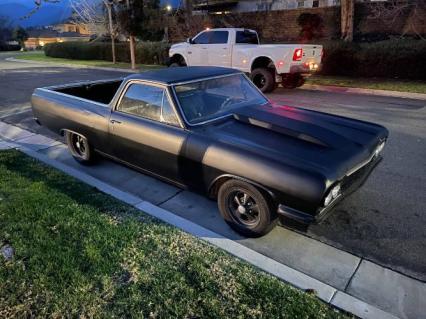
x=145 y=130
x=198 y=49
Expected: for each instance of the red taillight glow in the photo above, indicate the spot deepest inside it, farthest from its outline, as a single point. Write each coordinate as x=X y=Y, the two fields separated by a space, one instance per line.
x=297 y=55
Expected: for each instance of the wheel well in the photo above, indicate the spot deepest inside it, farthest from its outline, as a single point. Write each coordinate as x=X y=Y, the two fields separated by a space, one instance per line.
x=214 y=189
x=262 y=62
x=177 y=58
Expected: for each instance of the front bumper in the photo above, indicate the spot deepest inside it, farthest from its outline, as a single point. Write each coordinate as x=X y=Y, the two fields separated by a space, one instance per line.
x=349 y=184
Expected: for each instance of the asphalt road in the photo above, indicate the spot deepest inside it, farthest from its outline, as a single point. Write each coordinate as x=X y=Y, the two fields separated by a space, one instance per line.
x=385 y=221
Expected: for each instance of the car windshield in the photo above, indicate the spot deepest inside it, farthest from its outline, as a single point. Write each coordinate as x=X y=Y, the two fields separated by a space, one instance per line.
x=209 y=99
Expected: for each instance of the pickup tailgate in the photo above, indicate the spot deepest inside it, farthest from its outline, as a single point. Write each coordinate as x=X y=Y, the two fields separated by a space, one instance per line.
x=312 y=52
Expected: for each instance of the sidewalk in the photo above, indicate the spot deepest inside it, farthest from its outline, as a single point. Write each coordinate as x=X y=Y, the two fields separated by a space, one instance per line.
x=339 y=278
x=344 y=89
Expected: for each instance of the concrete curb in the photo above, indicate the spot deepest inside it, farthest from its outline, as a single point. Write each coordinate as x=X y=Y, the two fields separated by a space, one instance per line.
x=325 y=292
x=343 y=89
x=75 y=66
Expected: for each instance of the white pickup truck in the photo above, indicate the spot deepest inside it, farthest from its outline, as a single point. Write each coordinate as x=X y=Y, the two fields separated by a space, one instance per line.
x=268 y=64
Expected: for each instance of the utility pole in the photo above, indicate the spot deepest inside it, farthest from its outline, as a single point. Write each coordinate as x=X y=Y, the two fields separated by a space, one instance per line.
x=108 y=5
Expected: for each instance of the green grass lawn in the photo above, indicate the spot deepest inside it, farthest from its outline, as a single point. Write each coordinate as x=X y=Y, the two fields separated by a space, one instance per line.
x=81 y=253
x=370 y=83
x=39 y=56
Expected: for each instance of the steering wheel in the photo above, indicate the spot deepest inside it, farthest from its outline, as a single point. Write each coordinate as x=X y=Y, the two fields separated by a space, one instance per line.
x=226 y=102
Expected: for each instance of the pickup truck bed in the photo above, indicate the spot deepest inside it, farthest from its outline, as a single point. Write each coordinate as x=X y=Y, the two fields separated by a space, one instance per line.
x=99 y=91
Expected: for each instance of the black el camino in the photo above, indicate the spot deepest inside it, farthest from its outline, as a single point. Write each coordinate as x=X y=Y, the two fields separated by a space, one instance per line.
x=211 y=130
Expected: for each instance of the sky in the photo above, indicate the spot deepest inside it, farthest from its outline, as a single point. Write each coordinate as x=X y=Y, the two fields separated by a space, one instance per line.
x=49 y=13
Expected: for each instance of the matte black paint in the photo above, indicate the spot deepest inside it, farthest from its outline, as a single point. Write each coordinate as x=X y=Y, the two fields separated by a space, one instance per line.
x=292 y=153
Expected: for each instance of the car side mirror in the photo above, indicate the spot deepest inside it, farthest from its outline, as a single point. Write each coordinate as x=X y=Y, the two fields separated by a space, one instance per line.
x=189 y=40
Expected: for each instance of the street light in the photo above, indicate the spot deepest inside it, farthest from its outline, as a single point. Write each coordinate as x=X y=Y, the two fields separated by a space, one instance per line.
x=169 y=7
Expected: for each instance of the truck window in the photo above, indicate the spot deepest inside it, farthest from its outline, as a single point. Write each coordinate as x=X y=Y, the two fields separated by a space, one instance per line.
x=149 y=102
x=203 y=38
x=246 y=37
x=218 y=37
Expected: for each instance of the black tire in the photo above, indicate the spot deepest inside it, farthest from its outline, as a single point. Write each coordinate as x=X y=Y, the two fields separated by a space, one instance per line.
x=237 y=209
x=80 y=148
x=264 y=79
x=292 y=81
x=174 y=65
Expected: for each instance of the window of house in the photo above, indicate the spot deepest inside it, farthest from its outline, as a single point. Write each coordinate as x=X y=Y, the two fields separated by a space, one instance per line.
x=149 y=102
x=315 y=4
x=300 y=4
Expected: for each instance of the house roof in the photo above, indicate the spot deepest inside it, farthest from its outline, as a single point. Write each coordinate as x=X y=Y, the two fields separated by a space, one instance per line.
x=182 y=74
x=49 y=33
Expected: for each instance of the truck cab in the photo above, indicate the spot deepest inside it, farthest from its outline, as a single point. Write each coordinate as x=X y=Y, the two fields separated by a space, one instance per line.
x=268 y=65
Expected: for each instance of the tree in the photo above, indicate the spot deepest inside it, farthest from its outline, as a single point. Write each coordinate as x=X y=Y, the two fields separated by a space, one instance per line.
x=392 y=10
x=90 y=13
x=20 y=35
x=347 y=19
x=311 y=26
x=141 y=18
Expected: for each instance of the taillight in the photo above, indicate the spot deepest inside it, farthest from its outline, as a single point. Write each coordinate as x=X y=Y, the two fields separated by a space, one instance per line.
x=297 y=55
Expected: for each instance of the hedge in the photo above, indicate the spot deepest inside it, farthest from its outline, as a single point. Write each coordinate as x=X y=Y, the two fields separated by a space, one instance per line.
x=392 y=58
x=146 y=52
x=9 y=47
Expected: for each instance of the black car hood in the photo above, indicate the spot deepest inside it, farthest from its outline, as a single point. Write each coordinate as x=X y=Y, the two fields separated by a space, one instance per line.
x=328 y=144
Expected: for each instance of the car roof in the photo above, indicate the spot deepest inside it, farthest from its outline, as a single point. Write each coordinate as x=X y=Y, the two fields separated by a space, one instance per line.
x=170 y=76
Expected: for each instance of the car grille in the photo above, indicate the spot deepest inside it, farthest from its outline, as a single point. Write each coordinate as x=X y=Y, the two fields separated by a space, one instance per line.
x=356 y=179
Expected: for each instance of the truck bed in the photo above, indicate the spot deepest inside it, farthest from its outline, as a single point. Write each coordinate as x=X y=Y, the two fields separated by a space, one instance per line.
x=99 y=91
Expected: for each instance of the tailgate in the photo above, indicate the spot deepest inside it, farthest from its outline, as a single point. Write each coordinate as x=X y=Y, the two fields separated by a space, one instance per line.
x=312 y=53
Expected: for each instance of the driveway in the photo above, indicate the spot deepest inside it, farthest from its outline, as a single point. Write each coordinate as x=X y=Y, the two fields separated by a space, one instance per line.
x=383 y=222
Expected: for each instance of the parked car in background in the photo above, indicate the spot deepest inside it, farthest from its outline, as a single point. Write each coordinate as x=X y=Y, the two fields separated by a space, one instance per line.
x=268 y=64
x=211 y=130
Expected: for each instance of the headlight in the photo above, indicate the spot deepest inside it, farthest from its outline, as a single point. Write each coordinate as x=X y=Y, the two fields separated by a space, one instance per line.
x=332 y=194
x=379 y=149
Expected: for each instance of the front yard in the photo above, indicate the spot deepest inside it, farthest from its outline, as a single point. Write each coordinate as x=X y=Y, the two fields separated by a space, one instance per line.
x=370 y=83
x=81 y=253
x=41 y=57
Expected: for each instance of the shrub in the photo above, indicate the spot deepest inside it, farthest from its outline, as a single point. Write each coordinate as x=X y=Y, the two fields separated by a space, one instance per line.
x=9 y=47
x=311 y=26
x=146 y=52
x=391 y=58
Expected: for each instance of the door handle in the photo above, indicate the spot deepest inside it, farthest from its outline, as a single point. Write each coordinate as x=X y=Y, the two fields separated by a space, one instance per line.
x=115 y=122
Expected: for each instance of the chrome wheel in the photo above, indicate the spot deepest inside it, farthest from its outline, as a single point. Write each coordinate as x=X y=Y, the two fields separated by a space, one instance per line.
x=79 y=145
x=243 y=208
x=259 y=80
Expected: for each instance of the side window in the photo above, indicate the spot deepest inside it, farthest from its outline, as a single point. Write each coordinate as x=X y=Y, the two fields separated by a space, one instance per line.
x=246 y=37
x=149 y=102
x=142 y=100
x=219 y=37
x=203 y=38
x=168 y=115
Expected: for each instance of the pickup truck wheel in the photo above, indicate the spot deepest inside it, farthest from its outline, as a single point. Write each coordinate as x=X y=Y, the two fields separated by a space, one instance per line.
x=174 y=65
x=292 y=81
x=245 y=208
x=264 y=79
x=80 y=148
